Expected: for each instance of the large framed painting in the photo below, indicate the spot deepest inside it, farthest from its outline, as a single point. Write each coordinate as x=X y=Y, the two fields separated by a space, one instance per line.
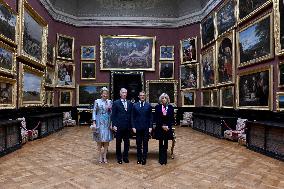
x=31 y=86
x=188 y=50
x=167 y=70
x=49 y=76
x=8 y=93
x=50 y=59
x=7 y=59
x=88 y=52
x=215 y=98
x=255 y=89
x=8 y=23
x=280 y=101
x=65 y=98
x=49 y=98
x=126 y=52
x=32 y=35
x=154 y=88
x=225 y=17
x=208 y=68
x=65 y=74
x=207 y=30
x=88 y=70
x=225 y=64
x=65 y=47
x=167 y=52
x=189 y=76
x=206 y=98
x=255 y=41
x=88 y=93
x=279 y=26
x=248 y=8
x=281 y=74
x=227 y=97
x=188 y=98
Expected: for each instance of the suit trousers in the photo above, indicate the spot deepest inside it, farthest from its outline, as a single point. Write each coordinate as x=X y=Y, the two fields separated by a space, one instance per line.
x=142 y=138
x=163 y=148
x=122 y=135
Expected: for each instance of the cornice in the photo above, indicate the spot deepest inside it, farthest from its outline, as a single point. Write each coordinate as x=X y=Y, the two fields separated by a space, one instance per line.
x=129 y=21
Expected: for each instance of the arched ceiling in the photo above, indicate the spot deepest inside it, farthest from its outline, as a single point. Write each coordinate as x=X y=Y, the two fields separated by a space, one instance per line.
x=148 y=13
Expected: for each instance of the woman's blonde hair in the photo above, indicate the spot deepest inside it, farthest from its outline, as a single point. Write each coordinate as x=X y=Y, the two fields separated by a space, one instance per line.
x=104 y=89
x=166 y=96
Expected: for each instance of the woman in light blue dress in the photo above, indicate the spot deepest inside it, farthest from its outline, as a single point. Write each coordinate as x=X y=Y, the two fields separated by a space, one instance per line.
x=102 y=132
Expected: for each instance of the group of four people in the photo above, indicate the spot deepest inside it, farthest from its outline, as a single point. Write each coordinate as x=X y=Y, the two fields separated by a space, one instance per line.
x=122 y=116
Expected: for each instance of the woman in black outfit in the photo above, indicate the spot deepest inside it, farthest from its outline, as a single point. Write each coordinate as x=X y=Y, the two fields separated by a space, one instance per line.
x=164 y=116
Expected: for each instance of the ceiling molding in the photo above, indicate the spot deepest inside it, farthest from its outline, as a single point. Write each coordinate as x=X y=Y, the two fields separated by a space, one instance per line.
x=129 y=21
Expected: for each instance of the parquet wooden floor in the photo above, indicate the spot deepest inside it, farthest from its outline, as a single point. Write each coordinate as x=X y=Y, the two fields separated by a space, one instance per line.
x=67 y=159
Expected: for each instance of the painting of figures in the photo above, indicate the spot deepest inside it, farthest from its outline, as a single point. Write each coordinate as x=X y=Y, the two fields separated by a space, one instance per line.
x=88 y=52
x=65 y=47
x=167 y=70
x=188 y=76
x=128 y=52
x=65 y=74
x=167 y=53
x=7 y=59
x=208 y=68
x=188 y=50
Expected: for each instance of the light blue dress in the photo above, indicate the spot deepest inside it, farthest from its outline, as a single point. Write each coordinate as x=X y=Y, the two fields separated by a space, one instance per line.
x=102 y=113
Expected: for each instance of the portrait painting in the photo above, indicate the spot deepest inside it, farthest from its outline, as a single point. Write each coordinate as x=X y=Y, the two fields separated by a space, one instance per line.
x=7 y=93
x=281 y=74
x=247 y=8
x=226 y=17
x=8 y=23
x=7 y=59
x=255 y=42
x=88 y=93
x=255 y=89
x=50 y=54
x=189 y=76
x=207 y=30
x=154 y=88
x=188 y=98
x=280 y=101
x=49 y=76
x=88 y=52
x=279 y=26
x=215 y=98
x=208 y=68
x=65 y=47
x=167 y=70
x=227 y=97
x=225 y=59
x=166 y=52
x=65 y=74
x=188 y=50
x=128 y=52
x=49 y=98
x=206 y=98
x=65 y=98
x=88 y=70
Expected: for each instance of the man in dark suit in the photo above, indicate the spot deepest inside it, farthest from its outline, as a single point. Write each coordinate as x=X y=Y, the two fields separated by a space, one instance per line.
x=142 y=126
x=121 y=123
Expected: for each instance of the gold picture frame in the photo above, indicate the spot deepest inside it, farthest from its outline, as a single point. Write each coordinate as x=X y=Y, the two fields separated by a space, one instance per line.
x=207 y=68
x=258 y=75
x=50 y=59
x=188 y=50
x=277 y=27
x=88 y=52
x=206 y=37
x=28 y=17
x=227 y=96
x=49 y=98
x=206 y=94
x=28 y=94
x=65 y=74
x=49 y=76
x=223 y=44
x=140 y=55
x=12 y=22
x=189 y=76
x=215 y=98
x=167 y=52
x=88 y=70
x=66 y=99
x=188 y=98
x=249 y=36
x=65 y=47
x=154 y=88
x=167 y=69
x=8 y=95
x=11 y=59
x=278 y=101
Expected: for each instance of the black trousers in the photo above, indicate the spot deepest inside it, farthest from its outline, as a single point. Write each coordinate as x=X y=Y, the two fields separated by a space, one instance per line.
x=163 y=148
x=122 y=135
x=142 y=138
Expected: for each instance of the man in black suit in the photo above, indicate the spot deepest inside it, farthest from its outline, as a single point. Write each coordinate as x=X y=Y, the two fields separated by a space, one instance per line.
x=121 y=123
x=142 y=125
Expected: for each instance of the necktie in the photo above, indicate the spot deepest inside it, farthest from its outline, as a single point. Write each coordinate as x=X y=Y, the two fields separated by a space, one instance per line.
x=125 y=105
x=142 y=104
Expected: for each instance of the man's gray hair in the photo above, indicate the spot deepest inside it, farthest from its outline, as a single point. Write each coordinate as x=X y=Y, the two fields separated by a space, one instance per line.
x=122 y=89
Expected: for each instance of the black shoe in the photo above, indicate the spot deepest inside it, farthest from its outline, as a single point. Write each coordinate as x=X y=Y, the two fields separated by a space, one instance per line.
x=126 y=160
x=119 y=162
x=144 y=161
x=138 y=162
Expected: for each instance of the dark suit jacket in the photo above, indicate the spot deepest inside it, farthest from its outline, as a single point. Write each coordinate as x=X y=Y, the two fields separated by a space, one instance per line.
x=141 y=117
x=161 y=120
x=119 y=117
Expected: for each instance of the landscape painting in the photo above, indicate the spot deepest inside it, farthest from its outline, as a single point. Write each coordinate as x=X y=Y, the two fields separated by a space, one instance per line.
x=88 y=93
x=226 y=17
x=188 y=98
x=7 y=59
x=207 y=30
x=249 y=7
x=8 y=23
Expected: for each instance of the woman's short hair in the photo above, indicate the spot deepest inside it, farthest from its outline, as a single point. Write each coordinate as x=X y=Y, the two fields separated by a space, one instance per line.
x=104 y=89
x=166 y=96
